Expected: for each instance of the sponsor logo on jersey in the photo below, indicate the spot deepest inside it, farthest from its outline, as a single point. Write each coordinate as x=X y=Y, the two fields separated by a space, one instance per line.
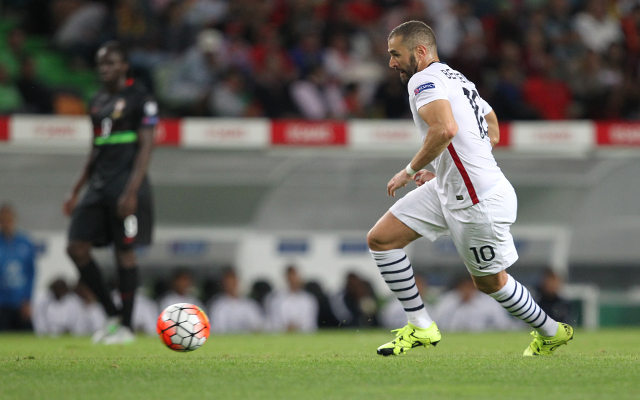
x=117 y=108
x=425 y=86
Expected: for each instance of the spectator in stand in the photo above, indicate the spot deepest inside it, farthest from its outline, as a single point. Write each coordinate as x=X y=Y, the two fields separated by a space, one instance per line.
x=272 y=87
x=10 y=98
x=550 y=97
x=181 y=290
x=187 y=83
x=230 y=97
x=597 y=29
x=82 y=31
x=550 y=300
x=308 y=54
x=294 y=309
x=459 y=33
x=588 y=86
x=392 y=314
x=318 y=98
x=237 y=51
x=175 y=34
x=37 y=96
x=559 y=30
x=391 y=100
x=356 y=305
x=206 y=12
x=17 y=272
x=11 y=56
x=57 y=311
x=631 y=28
x=363 y=13
x=232 y=313
x=326 y=318
x=260 y=291
x=507 y=100
x=465 y=308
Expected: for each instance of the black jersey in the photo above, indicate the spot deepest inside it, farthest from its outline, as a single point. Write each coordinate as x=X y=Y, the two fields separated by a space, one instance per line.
x=116 y=119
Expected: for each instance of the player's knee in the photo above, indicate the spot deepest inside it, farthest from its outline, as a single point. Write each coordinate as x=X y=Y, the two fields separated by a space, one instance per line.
x=79 y=253
x=126 y=257
x=376 y=241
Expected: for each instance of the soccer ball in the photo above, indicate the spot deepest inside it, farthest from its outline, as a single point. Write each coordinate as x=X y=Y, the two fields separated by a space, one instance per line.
x=183 y=327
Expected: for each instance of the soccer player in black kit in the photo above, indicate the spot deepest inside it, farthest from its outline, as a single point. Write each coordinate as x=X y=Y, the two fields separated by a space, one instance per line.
x=116 y=207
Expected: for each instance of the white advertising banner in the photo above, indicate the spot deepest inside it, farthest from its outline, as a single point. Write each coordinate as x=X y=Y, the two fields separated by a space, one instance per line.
x=47 y=131
x=561 y=136
x=383 y=135
x=225 y=133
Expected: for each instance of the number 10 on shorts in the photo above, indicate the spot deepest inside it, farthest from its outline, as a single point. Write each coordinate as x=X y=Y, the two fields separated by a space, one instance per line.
x=485 y=252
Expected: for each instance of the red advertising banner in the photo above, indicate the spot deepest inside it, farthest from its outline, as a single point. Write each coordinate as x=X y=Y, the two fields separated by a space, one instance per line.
x=618 y=133
x=308 y=133
x=4 y=128
x=168 y=132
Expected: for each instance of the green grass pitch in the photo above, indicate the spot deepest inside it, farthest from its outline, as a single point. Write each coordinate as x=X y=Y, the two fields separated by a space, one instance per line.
x=328 y=365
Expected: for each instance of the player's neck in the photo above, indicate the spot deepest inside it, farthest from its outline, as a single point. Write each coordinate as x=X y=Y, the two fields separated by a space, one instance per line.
x=425 y=62
x=117 y=86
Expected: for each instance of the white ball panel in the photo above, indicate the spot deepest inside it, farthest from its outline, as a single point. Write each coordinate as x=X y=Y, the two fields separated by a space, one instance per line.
x=193 y=319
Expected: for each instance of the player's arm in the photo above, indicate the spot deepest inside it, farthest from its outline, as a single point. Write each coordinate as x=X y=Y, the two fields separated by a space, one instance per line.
x=128 y=202
x=442 y=129
x=494 y=128
x=72 y=198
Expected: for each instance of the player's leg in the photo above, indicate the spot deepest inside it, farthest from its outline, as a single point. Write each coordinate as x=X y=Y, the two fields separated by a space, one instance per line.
x=127 y=282
x=386 y=241
x=133 y=230
x=518 y=301
x=415 y=215
x=483 y=239
x=80 y=253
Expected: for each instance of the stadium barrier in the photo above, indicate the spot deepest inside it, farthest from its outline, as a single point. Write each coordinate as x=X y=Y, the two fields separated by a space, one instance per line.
x=357 y=134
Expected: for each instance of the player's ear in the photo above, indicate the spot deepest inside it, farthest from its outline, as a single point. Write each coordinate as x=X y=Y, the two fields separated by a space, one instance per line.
x=421 y=51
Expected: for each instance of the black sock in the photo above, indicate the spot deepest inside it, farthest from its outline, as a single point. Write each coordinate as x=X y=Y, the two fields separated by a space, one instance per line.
x=91 y=276
x=128 y=284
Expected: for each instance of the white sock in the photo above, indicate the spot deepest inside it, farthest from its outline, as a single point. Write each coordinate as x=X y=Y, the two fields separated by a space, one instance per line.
x=516 y=299
x=395 y=268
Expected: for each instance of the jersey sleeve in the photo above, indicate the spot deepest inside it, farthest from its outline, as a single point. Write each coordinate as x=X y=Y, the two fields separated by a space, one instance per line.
x=428 y=88
x=486 y=108
x=149 y=112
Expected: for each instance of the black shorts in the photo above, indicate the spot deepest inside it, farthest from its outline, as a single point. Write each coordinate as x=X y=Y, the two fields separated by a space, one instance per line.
x=95 y=219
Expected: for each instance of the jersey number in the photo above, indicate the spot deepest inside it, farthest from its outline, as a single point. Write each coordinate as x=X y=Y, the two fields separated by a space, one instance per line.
x=473 y=96
x=485 y=252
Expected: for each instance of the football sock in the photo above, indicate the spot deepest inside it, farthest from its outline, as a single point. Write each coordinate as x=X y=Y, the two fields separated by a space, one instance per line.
x=128 y=278
x=516 y=299
x=91 y=276
x=395 y=268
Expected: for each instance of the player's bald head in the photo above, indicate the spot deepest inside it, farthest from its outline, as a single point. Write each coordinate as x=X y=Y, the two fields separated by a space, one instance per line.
x=414 y=33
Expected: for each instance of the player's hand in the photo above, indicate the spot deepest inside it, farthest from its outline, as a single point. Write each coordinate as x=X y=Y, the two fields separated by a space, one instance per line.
x=423 y=176
x=69 y=204
x=127 y=205
x=399 y=181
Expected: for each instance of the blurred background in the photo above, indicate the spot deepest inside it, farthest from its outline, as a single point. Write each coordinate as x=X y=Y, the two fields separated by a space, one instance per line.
x=282 y=123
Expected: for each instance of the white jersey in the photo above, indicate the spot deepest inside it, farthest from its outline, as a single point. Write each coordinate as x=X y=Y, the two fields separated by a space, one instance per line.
x=466 y=173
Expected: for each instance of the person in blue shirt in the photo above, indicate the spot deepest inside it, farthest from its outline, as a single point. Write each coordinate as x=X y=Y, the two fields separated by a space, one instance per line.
x=17 y=271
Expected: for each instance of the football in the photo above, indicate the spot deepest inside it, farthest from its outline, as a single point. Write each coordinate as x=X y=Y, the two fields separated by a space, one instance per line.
x=183 y=327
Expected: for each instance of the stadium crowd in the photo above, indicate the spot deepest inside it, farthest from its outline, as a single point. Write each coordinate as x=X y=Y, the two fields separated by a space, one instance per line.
x=318 y=59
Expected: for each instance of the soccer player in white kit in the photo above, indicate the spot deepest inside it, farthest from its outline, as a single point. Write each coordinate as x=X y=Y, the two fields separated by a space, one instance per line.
x=468 y=197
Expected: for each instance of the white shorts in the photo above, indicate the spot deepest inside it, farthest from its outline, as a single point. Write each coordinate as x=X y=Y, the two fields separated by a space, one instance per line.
x=481 y=233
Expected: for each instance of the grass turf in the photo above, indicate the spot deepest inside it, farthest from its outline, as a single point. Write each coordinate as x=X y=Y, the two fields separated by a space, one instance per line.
x=329 y=365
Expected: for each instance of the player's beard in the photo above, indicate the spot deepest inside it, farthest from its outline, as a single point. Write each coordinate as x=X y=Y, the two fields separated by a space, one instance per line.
x=411 y=69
